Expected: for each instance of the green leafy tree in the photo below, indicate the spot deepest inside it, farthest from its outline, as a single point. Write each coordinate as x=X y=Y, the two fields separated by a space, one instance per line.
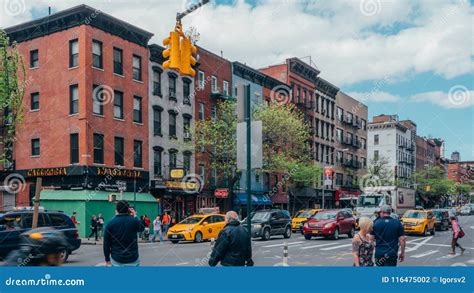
x=379 y=173
x=12 y=88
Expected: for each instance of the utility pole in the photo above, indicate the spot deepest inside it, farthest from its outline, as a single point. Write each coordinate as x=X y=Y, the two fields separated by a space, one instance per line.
x=249 y=161
x=180 y=15
x=34 y=223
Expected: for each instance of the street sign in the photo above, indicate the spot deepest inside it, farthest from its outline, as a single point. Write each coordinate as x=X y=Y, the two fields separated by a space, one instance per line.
x=256 y=145
x=327 y=175
x=176 y=173
x=221 y=192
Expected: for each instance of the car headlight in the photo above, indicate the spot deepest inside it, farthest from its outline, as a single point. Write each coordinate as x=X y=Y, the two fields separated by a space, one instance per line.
x=189 y=229
x=257 y=226
x=329 y=225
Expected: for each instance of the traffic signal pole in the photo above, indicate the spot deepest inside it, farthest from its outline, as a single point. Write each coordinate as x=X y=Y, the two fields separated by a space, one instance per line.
x=180 y=15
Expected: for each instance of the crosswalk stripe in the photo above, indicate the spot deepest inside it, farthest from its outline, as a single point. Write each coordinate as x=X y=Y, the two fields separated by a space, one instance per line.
x=319 y=245
x=281 y=244
x=336 y=247
x=419 y=244
x=424 y=254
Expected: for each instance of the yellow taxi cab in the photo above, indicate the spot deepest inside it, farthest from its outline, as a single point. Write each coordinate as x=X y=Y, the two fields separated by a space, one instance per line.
x=419 y=221
x=301 y=217
x=197 y=228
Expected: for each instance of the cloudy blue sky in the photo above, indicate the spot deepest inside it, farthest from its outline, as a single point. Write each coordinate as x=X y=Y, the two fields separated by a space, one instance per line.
x=405 y=57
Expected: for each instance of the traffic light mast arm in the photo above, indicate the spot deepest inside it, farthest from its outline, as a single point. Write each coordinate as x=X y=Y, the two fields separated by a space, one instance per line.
x=180 y=15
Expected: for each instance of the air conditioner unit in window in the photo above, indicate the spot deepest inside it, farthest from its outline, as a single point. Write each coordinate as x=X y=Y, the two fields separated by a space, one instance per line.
x=187 y=135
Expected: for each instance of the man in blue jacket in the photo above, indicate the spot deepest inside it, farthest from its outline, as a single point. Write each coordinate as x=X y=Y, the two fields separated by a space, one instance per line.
x=120 y=237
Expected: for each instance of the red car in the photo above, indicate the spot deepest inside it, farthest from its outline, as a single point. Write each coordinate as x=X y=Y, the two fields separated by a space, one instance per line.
x=330 y=223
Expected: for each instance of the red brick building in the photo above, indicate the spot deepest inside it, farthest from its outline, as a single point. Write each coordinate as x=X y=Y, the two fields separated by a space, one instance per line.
x=213 y=82
x=86 y=102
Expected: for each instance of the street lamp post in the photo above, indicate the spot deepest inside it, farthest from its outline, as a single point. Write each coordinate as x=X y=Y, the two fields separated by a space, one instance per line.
x=323 y=189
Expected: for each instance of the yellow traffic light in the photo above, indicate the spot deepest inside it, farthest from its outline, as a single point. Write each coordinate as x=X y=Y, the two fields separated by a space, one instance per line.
x=428 y=188
x=188 y=50
x=172 y=52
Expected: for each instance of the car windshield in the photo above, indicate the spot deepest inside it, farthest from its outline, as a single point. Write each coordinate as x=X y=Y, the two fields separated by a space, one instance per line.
x=369 y=201
x=191 y=220
x=325 y=216
x=260 y=216
x=414 y=215
x=304 y=214
x=438 y=214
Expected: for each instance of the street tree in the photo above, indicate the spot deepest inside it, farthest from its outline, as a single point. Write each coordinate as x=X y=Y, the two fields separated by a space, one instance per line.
x=379 y=173
x=12 y=88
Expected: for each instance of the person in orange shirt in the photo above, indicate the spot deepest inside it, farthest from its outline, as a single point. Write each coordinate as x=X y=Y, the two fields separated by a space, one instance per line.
x=166 y=222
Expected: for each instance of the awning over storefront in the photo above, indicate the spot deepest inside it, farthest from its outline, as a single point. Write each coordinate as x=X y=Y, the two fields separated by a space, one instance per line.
x=347 y=194
x=280 y=198
x=257 y=199
x=88 y=195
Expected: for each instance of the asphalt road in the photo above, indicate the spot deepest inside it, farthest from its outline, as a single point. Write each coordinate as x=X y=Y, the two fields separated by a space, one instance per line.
x=421 y=251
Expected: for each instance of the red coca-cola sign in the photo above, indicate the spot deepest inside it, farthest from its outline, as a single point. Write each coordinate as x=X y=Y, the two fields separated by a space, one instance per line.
x=221 y=192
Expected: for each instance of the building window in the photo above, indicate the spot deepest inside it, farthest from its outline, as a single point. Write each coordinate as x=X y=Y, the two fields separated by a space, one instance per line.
x=339 y=179
x=157 y=161
x=137 y=154
x=363 y=124
x=172 y=126
x=35 y=147
x=74 y=148
x=118 y=151
x=137 y=109
x=214 y=84
x=376 y=139
x=118 y=61
x=202 y=172
x=339 y=157
x=376 y=155
x=339 y=113
x=73 y=99
x=35 y=101
x=98 y=148
x=187 y=127
x=187 y=161
x=316 y=151
x=225 y=87
x=339 y=134
x=137 y=67
x=97 y=100
x=173 y=154
x=34 y=58
x=364 y=143
x=186 y=92
x=172 y=87
x=201 y=80
x=201 y=112
x=214 y=112
x=213 y=180
x=157 y=120
x=118 y=104
x=73 y=53
x=156 y=83
x=97 y=54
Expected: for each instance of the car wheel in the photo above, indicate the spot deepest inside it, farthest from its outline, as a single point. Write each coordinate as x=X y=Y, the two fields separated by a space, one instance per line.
x=307 y=236
x=335 y=235
x=432 y=232
x=198 y=237
x=266 y=234
x=351 y=232
x=424 y=231
x=64 y=255
x=174 y=241
x=287 y=232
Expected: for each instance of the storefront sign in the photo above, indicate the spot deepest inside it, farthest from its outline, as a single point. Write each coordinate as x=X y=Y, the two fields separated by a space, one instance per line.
x=116 y=172
x=221 y=193
x=47 y=172
x=176 y=173
x=180 y=185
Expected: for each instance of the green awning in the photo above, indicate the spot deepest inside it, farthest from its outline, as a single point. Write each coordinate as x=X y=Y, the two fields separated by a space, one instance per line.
x=87 y=195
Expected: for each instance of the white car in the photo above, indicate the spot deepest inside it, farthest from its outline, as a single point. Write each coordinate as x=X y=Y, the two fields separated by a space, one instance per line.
x=466 y=210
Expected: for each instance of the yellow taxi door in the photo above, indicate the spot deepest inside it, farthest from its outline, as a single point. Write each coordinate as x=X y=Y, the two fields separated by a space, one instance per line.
x=206 y=227
x=219 y=223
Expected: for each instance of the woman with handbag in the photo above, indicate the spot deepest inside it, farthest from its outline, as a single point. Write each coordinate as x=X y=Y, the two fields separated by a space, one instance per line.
x=457 y=233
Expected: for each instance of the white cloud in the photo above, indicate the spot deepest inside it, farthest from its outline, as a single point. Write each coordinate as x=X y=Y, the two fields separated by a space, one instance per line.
x=458 y=97
x=343 y=37
x=375 y=96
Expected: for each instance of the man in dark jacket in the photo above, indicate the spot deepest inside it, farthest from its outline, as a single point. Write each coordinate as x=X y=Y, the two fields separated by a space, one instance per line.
x=233 y=246
x=120 y=237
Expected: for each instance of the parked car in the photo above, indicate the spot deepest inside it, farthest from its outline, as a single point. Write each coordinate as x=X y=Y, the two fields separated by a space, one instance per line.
x=14 y=223
x=266 y=223
x=301 y=217
x=466 y=210
x=197 y=228
x=442 y=219
x=330 y=223
x=419 y=221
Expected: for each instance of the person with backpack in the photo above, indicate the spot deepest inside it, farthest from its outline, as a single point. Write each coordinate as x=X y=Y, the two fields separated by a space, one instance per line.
x=457 y=233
